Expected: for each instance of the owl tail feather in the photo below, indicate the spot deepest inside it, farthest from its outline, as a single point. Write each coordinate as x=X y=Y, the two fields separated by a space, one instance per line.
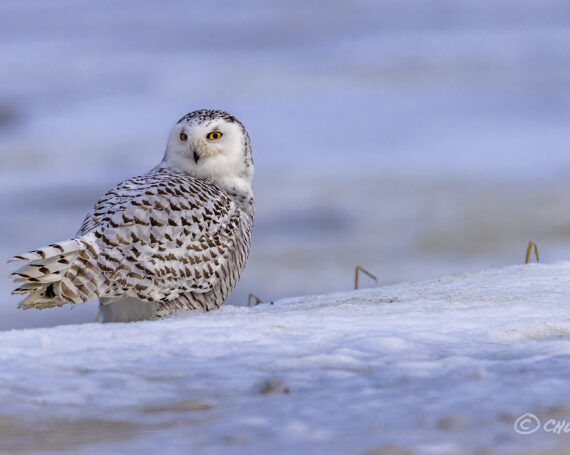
x=41 y=277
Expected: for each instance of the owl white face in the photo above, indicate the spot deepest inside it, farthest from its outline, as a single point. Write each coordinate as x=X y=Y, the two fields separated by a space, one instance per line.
x=211 y=145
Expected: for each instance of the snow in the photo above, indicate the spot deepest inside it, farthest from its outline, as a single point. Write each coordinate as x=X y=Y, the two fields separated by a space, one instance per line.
x=440 y=366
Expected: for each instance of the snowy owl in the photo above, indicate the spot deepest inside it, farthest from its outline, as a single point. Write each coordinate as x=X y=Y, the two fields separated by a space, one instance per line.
x=176 y=238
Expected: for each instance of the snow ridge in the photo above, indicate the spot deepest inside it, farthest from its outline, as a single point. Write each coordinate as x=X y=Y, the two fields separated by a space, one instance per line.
x=435 y=367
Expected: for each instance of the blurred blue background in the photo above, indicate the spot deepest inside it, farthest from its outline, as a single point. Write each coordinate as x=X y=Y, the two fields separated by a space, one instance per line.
x=412 y=138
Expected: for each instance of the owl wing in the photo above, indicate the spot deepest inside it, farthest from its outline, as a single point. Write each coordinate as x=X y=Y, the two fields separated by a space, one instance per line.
x=155 y=237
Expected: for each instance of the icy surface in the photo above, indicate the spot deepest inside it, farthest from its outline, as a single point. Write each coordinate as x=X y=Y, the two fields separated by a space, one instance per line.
x=442 y=366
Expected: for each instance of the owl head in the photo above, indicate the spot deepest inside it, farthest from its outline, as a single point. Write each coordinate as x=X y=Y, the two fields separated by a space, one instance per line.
x=212 y=145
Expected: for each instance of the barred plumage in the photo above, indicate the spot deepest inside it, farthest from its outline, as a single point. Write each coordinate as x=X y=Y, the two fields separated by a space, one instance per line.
x=175 y=238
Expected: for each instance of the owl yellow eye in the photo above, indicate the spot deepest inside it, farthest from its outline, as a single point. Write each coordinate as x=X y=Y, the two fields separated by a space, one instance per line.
x=214 y=135
x=183 y=136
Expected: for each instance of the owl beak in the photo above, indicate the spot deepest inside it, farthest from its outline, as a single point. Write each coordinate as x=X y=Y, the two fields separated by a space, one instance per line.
x=196 y=156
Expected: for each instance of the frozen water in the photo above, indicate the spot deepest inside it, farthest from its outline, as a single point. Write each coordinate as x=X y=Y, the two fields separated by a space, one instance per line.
x=442 y=366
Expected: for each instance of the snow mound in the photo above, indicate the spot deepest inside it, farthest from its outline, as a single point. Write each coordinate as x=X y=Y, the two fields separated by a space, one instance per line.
x=443 y=366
